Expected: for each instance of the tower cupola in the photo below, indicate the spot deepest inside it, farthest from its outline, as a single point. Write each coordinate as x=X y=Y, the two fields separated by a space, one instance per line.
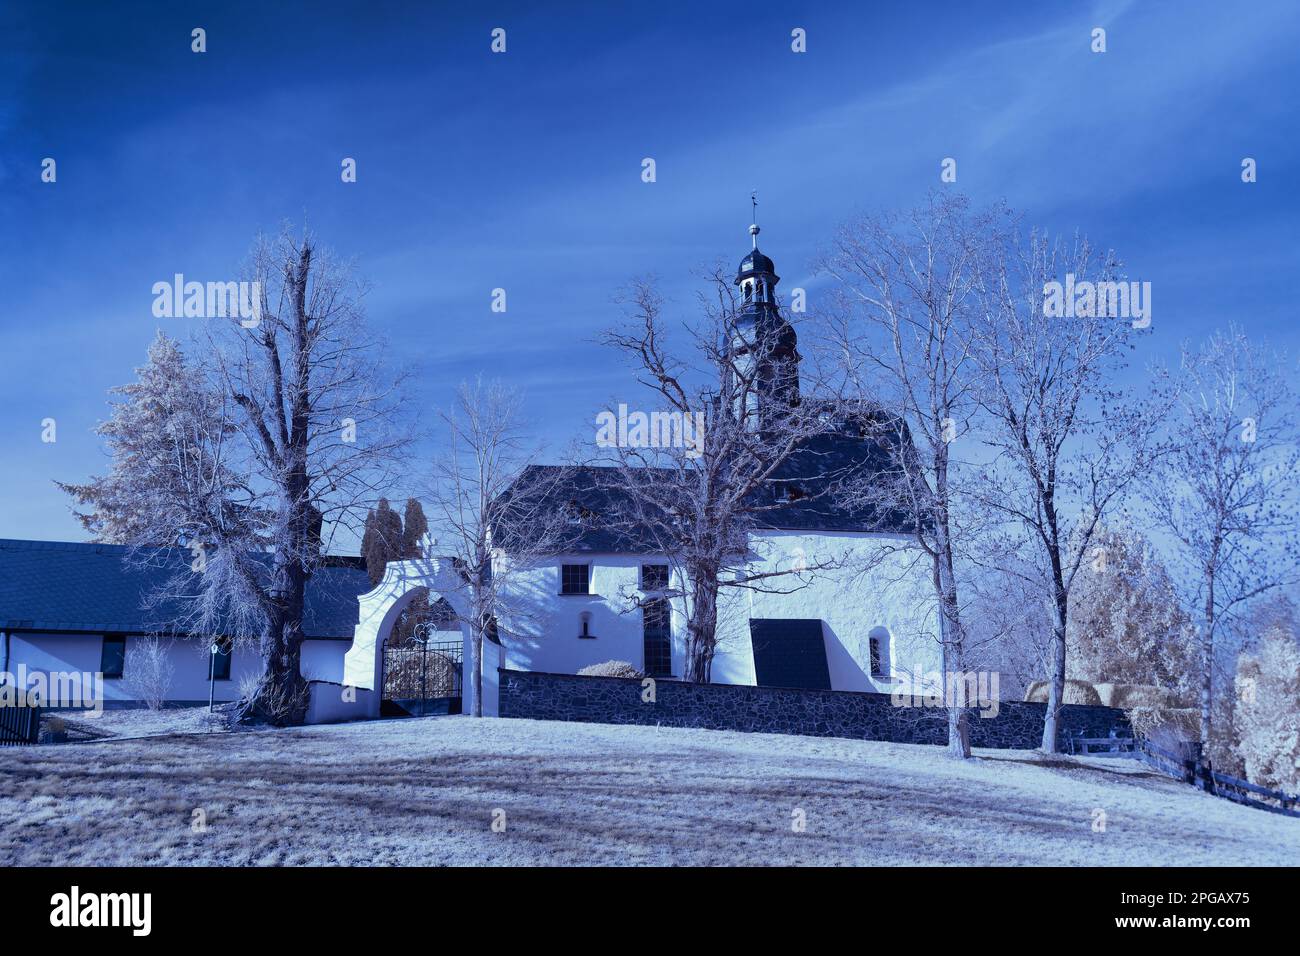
x=763 y=340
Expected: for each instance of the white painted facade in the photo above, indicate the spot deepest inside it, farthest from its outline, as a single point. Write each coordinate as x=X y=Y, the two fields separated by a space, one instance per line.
x=864 y=596
x=48 y=653
x=891 y=601
x=878 y=588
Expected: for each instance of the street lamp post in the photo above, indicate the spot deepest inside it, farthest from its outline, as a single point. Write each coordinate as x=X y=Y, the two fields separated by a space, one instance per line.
x=212 y=676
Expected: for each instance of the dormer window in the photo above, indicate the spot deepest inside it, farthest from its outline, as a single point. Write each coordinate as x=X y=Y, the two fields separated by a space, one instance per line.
x=786 y=492
x=576 y=514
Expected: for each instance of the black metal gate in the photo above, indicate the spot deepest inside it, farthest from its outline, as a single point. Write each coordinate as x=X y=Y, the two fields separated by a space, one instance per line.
x=423 y=677
x=19 y=725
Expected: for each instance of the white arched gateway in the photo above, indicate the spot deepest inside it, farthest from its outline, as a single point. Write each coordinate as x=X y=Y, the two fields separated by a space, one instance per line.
x=359 y=695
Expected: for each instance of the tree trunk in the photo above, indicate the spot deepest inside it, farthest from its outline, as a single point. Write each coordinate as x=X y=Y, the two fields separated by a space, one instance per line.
x=1207 y=666
x=951 y=635
x=1056 y=690
x=476 y=670
x=282 y=694
x=1061 y=606
x=958 y=712
x=702 y=626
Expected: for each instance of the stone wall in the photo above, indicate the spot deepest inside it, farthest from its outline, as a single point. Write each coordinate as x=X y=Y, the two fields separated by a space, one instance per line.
x=816 y=713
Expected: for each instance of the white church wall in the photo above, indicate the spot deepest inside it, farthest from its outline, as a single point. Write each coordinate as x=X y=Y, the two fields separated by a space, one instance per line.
x=733 y=661
x=492 y=663
x=323 y=660
x=543 y=631
x=891 y=600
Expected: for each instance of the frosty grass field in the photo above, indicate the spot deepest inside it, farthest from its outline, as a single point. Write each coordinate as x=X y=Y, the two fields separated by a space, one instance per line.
x=427 y=792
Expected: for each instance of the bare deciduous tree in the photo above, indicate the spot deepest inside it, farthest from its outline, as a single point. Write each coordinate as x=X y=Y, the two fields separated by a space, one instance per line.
x=699 y=501
x=1227 y=490
x=906 y=286
x=280 y=434
x=493 y=513
x=1070 y=445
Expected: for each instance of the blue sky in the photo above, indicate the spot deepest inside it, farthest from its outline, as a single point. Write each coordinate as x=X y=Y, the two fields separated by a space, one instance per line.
x=522 y=170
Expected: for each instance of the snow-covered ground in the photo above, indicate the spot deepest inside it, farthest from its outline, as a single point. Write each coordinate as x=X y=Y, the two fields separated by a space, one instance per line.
x=140 y=722
x=428 y=791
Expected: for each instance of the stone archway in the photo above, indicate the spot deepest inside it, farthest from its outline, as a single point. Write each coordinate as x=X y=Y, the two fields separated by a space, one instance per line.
x=379 y=609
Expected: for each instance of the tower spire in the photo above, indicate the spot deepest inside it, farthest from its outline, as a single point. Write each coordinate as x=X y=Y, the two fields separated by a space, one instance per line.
x=765 y=344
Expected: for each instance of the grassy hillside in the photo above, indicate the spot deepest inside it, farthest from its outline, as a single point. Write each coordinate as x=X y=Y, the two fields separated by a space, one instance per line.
x=426 y=791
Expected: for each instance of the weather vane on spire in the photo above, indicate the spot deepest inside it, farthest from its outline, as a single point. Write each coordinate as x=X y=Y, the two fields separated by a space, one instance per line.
x=753 y=221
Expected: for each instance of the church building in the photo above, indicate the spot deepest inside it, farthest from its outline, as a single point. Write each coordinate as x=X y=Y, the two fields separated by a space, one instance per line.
x=868 y=623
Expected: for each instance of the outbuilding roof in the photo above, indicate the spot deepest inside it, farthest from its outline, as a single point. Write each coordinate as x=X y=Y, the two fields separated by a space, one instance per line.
x=72 y=587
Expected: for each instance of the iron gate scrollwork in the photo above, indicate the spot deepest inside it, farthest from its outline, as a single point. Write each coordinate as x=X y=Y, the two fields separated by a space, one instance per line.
x=424 y=676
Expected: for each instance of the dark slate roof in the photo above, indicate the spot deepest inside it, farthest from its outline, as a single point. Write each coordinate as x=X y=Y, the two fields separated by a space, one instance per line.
x=590 y=494
x=65 y=586
x=755 y=262
x=592 y=491
x=821 y=462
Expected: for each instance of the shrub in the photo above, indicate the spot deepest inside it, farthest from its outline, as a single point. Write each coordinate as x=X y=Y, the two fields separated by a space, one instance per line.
x=1166 y=727
x=1129 y=696
x=53 y=730
x=1076 y=692
x=1268 y=716
x=148 y=671
x=610 y=669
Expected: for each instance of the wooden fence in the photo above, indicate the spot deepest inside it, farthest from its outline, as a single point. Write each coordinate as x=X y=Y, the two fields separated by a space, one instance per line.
x=1191 y=769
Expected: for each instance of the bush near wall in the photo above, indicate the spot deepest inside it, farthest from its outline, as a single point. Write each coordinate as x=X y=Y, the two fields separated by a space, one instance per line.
x=1268 y=712
x=1129 y=696
x=1076 y=692
x=610 y=669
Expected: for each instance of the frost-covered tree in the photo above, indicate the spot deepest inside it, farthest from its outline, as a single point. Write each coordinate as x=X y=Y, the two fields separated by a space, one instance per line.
x=1126 y=625
x=728 y=379
x=291 y=430
x=907 y=286
x=1267 y=717
x=493 y=514
x=164 y=432
x=1227 y=492
x=1069 y=444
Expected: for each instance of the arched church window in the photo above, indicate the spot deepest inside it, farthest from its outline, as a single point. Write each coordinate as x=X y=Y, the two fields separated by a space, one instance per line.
x=878 y=643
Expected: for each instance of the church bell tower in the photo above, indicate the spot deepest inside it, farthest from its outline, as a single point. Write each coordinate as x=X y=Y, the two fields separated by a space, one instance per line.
x=763 y=341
